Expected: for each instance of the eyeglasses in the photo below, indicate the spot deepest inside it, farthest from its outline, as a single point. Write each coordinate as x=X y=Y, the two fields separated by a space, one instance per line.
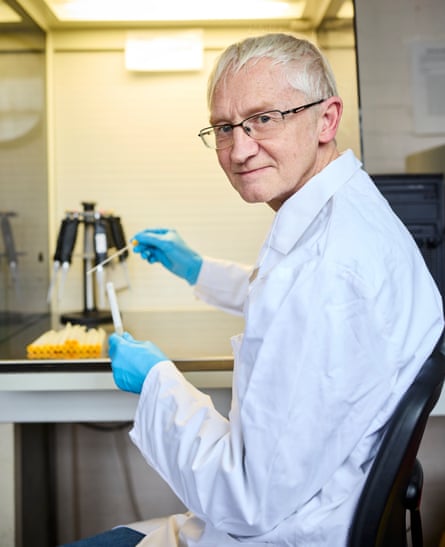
x=264 y=125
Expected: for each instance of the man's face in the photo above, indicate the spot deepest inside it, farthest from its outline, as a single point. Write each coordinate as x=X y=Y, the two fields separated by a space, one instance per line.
x=269 y=170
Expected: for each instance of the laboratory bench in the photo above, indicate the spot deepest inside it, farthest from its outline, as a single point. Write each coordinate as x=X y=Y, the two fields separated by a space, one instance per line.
x=198 y=342
x=36 y=394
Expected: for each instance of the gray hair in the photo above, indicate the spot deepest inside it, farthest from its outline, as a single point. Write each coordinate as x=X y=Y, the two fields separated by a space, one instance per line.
x=306 y=68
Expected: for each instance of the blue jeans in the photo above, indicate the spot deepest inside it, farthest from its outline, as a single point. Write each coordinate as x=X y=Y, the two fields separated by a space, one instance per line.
x=118 y=537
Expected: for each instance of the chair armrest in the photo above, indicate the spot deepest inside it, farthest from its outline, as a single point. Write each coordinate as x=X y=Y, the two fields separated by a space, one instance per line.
x=414 y=489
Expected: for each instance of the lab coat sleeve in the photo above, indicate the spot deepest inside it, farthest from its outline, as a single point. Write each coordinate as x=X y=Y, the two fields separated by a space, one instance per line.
x=223 y=284
x=310 y=397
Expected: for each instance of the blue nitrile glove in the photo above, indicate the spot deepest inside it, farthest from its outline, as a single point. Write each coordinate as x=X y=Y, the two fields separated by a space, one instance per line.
x=167 y=247
x=131 y=360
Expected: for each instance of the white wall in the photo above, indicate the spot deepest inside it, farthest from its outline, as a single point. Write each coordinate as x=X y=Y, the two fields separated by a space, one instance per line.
x=129 y=142
x=385 y=34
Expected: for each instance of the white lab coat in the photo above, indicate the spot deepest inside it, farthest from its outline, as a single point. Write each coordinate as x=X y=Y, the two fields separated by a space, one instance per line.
x=340 y=313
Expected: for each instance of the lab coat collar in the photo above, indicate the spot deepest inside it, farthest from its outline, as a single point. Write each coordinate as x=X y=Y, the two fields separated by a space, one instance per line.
x=297 y=212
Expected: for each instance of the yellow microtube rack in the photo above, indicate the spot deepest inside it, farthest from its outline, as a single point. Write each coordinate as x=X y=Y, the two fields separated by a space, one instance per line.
x=71 y=342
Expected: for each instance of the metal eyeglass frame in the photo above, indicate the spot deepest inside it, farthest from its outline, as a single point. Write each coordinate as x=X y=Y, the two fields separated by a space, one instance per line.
x=208 y=130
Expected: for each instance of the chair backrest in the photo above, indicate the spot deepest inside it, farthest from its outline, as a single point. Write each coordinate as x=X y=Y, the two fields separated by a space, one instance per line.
x=380 y=517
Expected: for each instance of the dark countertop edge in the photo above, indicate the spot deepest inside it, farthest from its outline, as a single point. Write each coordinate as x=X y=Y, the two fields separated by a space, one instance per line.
x=20 y=366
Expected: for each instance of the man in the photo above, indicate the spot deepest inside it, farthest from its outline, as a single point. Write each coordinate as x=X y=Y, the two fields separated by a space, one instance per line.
x=340 y=314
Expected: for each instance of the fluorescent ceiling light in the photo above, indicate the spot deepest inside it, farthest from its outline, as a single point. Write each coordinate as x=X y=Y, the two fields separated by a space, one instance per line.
x=174 y=10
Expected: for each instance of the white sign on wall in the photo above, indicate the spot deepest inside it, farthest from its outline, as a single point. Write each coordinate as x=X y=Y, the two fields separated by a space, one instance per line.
x=428 y=83
x=164 y=51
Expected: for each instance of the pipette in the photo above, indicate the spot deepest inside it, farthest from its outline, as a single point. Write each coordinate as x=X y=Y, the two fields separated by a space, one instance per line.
x=68 y=244
x=120 y=242
x=57 y=259
x=100 y=254
x=66 y=241
x=114 y=308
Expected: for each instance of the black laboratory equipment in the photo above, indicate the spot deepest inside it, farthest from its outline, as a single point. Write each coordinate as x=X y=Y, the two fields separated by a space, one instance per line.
x=102 y=231
x=418 y=200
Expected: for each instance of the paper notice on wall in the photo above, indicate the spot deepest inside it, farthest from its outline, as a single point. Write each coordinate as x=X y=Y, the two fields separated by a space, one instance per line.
x=428 y=83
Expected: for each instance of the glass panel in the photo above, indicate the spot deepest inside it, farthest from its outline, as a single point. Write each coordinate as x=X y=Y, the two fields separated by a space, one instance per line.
x=23 y=167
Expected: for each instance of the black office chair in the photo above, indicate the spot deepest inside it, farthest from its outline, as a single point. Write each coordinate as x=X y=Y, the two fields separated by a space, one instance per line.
x=394 y=484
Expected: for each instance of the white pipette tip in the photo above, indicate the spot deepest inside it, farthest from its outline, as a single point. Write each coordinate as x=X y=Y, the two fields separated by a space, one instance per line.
x=114 y=255
x=115 y=313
